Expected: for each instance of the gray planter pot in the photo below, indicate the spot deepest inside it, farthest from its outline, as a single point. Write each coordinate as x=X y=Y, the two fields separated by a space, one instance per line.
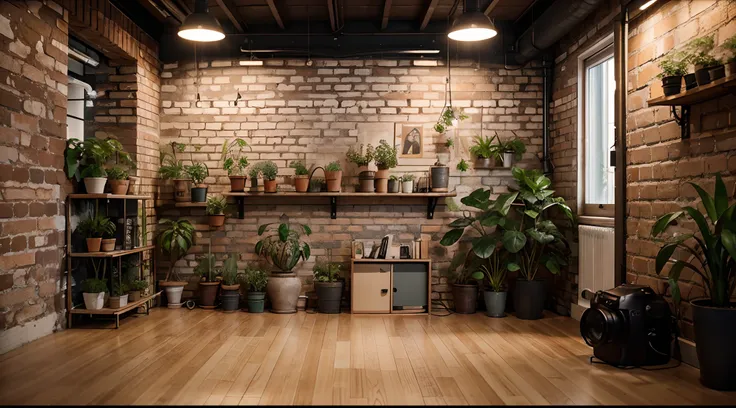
x=440 y=178
x=230 y=299
x=393 y=186
x=508 y=159
x=495 y=303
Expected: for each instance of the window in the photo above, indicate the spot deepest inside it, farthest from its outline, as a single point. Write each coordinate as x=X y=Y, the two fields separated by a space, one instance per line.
x=597 y=87
x=75 y=109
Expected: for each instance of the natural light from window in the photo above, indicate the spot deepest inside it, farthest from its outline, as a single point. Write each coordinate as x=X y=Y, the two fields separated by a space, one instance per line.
x=599 y=131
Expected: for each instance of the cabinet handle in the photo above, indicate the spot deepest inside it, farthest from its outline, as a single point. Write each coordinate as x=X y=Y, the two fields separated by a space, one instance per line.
x=394 y=290
x=384 y=291
x=381 y=269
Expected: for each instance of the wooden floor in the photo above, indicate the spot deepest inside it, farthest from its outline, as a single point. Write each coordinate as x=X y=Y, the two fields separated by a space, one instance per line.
x=208 y=357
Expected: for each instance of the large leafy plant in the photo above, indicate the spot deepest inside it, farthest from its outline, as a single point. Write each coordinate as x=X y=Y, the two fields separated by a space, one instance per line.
x=197 y=171
x=233 y=159
x=216 y=205
x=486 y=147
x=175 y=239
x=385 y=156
x=283 y=246
x=254 y=279
x=713 y=249
x=87 y=158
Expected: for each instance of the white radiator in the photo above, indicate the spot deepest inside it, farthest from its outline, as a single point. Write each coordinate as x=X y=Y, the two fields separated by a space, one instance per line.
x=596 y=269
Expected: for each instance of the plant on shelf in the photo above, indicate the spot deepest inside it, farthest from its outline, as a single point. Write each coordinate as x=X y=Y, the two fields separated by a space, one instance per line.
x=270 y=171
x=487 y=151
x=283 y=247
x=511 y=151
x=674 y=67
x=216 y=206
x=315 y=185
x=707 y=67
x=174 y=239
x=86 y=160
x=230 y=295
x=118 y=179
x=137 y=288
x=360 y=157
x=328 y=286
x=301 y=176
x=462 y=165
x=118 y=294
x=385 y=158
x=254 y=173
x=393 y=184
x=172 y=168
x=198 y=172
x=730 y=47
x=709 y=253
x=255 y=280
x=333 y=175
x=93 y=289
x=94 y=229
x=235 y=162
x=448 y=118
x=407 y=183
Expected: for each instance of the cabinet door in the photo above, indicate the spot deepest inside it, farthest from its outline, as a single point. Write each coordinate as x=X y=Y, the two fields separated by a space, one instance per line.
x=371 y=292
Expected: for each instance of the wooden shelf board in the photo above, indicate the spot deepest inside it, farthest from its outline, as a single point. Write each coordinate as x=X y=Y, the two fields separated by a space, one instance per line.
x=109 y=196
x=369 y=260
x=108 y=311
x=704 y=93
x=346 y=194
x=189 y=205
x=111 y=254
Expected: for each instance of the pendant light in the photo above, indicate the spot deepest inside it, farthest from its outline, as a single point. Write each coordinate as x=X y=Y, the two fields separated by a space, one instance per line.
x=200 y=26
x=472 y=26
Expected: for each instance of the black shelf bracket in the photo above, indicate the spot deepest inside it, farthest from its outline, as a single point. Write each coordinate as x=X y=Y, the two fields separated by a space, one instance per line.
x=683 y=119
x=431 y=204
x=333 y=207
x=240 y=202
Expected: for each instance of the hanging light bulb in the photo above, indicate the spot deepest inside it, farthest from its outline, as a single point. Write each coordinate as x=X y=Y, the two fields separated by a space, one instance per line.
x=472 y=26
x=201 y=26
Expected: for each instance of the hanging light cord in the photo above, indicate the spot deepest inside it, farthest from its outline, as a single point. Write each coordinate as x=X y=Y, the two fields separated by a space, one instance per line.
x=196 y=76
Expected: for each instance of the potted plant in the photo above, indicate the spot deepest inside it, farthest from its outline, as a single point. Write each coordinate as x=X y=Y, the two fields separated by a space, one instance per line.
x=173 y=169
x=197 y=172
x=494 y=273
x=94 y=228
x=136 y=288
x=362 y=160
x=535 y=239
x=93 y=289
x=283 y=248
x=448 y=118
x=118 y=179
x=174 y=239
x=108 y=242
x=119 y=295
x=208 y=282
x=393 y=184
x=235 y=163
x=270 y=171
x=316 y=184
x=713 y=248
x=701 y=59
x=230 y=284
x=328 y=287
x=85 y=160
x=512 y=151
x=216 y=211
x=255 y=280
x=730 y=46
x=333 y=175
x=254 y=173
x=301 y=176
x=486 y=152
x=464 y=287
x=462 y=166
x=385 y=159
x=407 y=183
x=673 y=67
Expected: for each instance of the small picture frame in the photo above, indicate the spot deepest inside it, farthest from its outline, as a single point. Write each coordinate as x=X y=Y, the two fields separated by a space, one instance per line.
x=358 y=250
x=409 y=140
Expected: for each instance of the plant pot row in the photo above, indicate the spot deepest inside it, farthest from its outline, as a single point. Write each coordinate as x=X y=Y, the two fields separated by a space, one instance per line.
x=100 y=244
x=96 y=185
x=672 y=85
x=96 y=301
x=528 y=299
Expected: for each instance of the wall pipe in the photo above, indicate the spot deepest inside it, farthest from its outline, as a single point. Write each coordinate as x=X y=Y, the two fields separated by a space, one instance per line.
x=547 y=166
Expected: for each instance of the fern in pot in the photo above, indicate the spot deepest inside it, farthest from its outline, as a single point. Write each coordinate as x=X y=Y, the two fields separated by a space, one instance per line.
x=136 y=288
x=710 y=253
x=235 y=162
x=172 y=168
x=255 y=280
x=512 y=151
x=230 y=284
x=175 y=238
x=673 y=67
x=94 y=229
x=328 y=285
x=486 y=150
x=283 y=247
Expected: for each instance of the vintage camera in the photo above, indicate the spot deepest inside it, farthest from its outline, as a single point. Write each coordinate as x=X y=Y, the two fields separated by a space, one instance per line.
x=628 y=326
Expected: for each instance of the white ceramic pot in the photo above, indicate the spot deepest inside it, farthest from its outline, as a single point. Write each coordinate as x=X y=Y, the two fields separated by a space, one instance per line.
x=95 y=185
x=94 y=301
x=407 y=186
x=508 y=159
x=173 y=295
x=116 y=302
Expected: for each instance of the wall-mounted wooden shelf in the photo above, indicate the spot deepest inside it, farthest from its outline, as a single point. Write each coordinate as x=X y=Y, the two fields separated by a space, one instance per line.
x=684 y=100
x=190 y=205
x=108 y=196
x=431 y=198
x=110 y=254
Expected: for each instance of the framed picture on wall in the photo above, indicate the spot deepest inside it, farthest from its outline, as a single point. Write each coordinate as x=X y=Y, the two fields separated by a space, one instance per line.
x=409 y=140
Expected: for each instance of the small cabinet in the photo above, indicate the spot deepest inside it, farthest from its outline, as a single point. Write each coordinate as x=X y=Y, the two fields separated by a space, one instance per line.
x=372 y=292
x=391 y=286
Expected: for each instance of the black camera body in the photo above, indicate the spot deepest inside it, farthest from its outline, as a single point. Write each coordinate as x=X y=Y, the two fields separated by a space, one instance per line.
x=628 y=326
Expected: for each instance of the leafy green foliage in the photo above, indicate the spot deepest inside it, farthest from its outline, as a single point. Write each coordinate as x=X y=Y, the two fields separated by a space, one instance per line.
x=315 y=184
x=232 y=157
x=673 y=64
x=119 y=289
x=449 y=142
x=174 y=239
x=359 y=157
x=713 y=247
x=730 y=46
x=170 y=168
x=462 y=165
x=333 y=166
x=699 y=52
x=515 y=146
x=385 y=155
x=229 y=270
x=92 y=285
x=255 y=170
x=447 y=118
x=197 y=171
x=326 y=272
x=216 y=205
x=117 y=173
x=299 y=168
x=460 y=271
x=138 y=284
x=206 y=268
x=98 y=226
x=407 y=177
x=283 y=246
x=486 y=147
x=90 y=156
x=269 y=170
x=93 y=170
x=254 y=279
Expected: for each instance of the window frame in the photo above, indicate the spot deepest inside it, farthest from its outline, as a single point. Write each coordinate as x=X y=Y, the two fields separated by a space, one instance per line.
x=598 y=52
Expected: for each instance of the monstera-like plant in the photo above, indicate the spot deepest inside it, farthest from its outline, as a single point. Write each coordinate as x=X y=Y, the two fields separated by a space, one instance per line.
x=710 y=253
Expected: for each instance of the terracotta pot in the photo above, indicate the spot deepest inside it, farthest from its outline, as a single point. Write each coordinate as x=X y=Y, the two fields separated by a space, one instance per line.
x=381 y=174
x=93 y=244
x=180 y=189
x=108 y=245
x=269 y=186
x=381 y=185
x=216 y=221
x=237 y=183
x=367 y=181
x=173 y=290
x=208 y=294
x=731 y=68
x=301 y=183
x=119 y=187
x=132 y=185
x=95 y=185
x=134 y=296
x=334 y=180
x=283 y=290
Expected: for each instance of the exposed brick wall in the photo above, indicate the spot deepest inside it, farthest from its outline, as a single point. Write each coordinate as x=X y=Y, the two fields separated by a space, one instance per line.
x=290 y=111
x=33 y=87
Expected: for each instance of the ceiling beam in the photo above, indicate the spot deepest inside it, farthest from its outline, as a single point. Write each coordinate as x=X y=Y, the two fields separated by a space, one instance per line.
x=184 y=7
x=228 y=8
x=491 y=6
x=386 y=14
x=428 y=14
x=174 y=10
x=275 y=12
x=156 y=11
x=331 y=11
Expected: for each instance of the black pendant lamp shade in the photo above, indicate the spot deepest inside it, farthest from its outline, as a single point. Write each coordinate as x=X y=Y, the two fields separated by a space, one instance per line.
x=200 y=26
x=472 y=26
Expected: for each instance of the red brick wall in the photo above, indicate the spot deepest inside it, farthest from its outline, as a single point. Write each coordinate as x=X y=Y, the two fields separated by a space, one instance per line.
x=33 y=86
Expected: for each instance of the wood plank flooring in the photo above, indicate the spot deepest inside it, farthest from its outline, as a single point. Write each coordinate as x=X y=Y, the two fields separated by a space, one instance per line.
x=212 y=358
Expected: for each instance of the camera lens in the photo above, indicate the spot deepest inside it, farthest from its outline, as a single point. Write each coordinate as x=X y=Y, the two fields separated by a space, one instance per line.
x=599 y=326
